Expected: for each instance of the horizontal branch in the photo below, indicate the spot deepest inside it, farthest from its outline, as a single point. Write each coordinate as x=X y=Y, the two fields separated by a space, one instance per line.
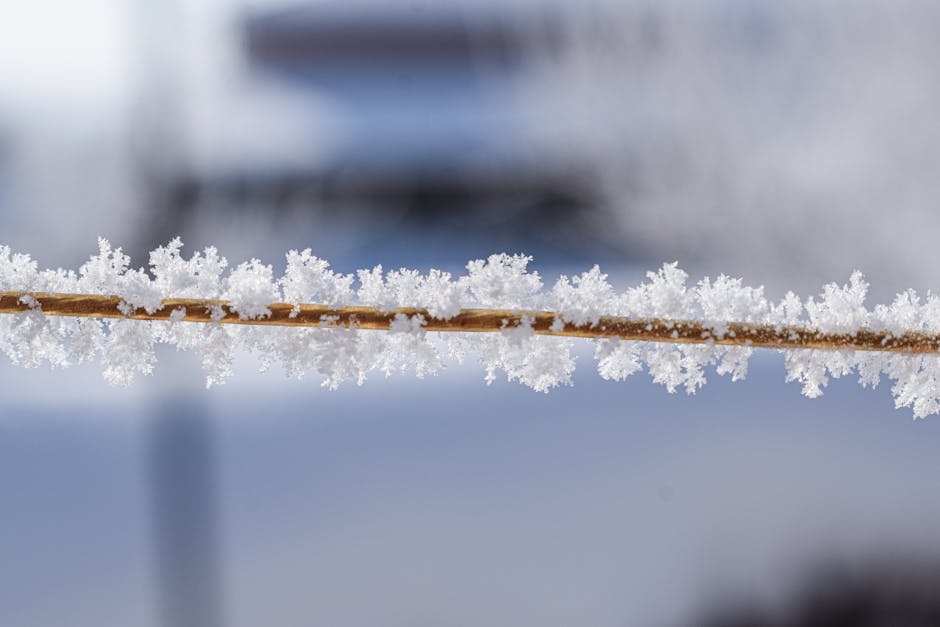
x=480 y=321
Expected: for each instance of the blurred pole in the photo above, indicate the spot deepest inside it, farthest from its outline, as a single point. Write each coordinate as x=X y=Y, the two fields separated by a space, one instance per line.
x=184 y=507
x=180 y=446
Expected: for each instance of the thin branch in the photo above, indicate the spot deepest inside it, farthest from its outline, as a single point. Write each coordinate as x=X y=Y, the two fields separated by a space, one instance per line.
x=481 y=321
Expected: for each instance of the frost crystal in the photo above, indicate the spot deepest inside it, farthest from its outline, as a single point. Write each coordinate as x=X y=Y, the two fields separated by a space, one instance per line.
x=250 y=289
x=309 y=279
x=126 y=348
x=502 y=282
x=584 y=299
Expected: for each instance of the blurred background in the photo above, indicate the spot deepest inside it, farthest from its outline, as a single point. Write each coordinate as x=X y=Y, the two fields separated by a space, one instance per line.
x=784 y=142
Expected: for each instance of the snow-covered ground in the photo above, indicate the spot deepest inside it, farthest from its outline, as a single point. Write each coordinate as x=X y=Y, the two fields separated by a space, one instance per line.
x=445 y=501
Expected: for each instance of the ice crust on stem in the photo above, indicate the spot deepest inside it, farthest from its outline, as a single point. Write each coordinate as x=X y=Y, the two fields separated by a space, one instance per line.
x=126 y=348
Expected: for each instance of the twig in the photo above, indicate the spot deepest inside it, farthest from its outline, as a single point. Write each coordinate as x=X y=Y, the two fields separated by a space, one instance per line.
x=484 y=320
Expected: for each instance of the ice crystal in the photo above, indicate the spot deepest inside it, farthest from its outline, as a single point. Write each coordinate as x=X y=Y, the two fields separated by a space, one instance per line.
x=250 y=288
x=584 y=299
x=503 y=282
x=126 y=348
x=308 y=279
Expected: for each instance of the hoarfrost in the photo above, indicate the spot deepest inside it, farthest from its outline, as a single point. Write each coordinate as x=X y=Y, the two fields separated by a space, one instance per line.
x=308 y=279
x=538 y=362
x=503 y=282
x=584 y=299
x=126 y=348
x=250 y=289
x=200 y=276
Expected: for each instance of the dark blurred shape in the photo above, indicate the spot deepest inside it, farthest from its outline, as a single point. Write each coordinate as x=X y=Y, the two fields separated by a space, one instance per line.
x=425 y=95
x=3 y=168
x=881 y=593
x=184 y=498
x=339 y=35
x=429 y=196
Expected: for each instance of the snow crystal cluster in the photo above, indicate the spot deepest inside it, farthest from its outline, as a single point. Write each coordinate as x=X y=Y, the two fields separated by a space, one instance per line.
x=126 y=348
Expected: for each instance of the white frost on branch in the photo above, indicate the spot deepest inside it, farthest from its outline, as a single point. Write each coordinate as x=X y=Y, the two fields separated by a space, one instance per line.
x=126 y=348
x=309 y=280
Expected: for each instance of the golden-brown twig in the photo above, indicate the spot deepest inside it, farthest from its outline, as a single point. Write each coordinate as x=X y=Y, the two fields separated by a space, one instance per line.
x=483 y=320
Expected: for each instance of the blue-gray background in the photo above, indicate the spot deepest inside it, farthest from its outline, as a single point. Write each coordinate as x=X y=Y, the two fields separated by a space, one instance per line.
x=786 y=144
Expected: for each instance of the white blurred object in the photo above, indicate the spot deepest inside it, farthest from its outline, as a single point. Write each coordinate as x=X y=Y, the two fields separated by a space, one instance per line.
x=64 y=72
x=102 y=98
x=61 y=56
x=233 y=121
x=784 y=141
